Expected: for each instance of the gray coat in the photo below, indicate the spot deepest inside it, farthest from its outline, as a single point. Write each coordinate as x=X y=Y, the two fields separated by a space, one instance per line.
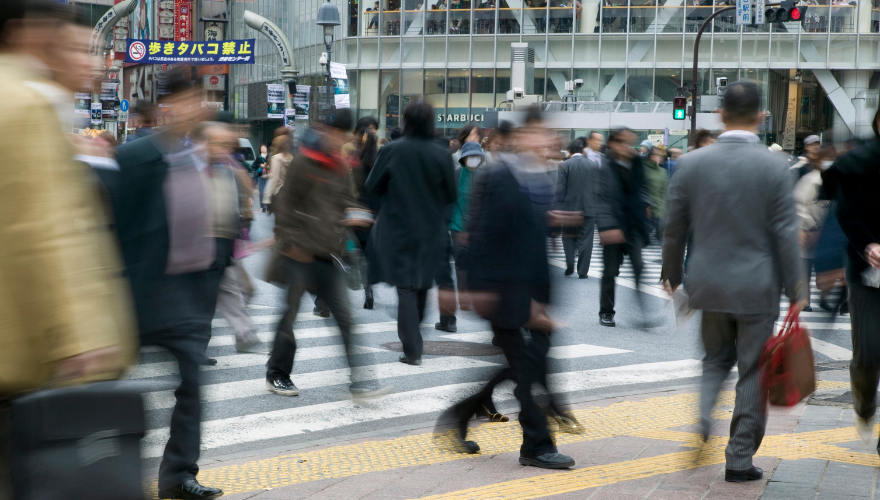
x=577 y=185
x=735 y=197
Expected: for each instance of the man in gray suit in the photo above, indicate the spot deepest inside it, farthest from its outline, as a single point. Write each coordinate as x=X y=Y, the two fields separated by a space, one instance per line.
x=576 y=192
x=735 y=198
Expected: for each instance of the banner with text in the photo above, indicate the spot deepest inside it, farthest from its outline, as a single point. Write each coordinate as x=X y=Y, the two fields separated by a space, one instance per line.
x=189 y=52
x=340 y=85
x=301 y=102
x=275 y=98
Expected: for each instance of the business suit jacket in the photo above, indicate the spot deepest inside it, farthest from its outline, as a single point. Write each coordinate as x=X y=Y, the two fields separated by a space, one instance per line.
x=618 y=208
x=735 y=197
x=413 y=184
x=61 y=280
x=577 y=185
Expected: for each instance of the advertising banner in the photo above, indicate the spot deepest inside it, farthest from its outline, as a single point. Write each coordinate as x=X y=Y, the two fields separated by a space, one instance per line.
x=340 y=85
x=189 y=52
x=289 y=118
x=182 y=20
x=96 y=113
x=275 y=98
x=82 y=103
x=108 y=91
x=301 y=102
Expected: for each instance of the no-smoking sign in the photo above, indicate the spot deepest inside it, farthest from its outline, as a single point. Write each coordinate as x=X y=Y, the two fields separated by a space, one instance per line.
x=137 y=51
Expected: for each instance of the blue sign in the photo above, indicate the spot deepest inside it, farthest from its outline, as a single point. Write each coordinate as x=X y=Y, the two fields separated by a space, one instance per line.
x=190 y=52
x=123 y=105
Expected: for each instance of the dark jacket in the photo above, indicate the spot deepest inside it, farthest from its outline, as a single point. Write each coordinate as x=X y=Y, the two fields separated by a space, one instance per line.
x=507 y=250
x=854 y=181
x=311 y=204
x=620 y=207
x=414 y=185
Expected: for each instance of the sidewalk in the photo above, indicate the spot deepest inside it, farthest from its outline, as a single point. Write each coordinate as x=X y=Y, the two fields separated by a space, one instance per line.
x=644 y=446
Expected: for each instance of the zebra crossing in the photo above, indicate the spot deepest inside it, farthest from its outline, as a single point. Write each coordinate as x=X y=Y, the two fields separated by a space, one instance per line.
x=240 y=415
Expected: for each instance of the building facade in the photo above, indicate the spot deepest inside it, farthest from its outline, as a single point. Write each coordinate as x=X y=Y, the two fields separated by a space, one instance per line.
x=819 y=75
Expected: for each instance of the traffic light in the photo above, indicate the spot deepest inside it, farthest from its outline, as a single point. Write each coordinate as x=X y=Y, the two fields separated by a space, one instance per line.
x=679 y=108
x=787 y=11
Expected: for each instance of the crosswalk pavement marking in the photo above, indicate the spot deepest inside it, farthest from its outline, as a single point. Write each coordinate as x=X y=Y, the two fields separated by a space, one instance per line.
x=556 y=352
x=247 y=388
x=834 y=352
x=162 y=368
x=325 y=416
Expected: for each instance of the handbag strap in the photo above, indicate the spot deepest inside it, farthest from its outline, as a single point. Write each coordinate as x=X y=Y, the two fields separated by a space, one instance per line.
x=792 y=322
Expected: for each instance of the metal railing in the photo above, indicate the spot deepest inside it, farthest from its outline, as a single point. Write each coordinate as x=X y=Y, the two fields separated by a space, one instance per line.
x=607 y=107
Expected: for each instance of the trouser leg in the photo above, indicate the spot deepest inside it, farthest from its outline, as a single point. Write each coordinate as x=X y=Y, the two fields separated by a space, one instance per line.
x=718 y=331
x=539 y=347
x=634 y=249
x=446 y=285
x=569 y=245
x=749 y=420
x=808 y=267
x=585 y=246
x=536 y=436
x=864 y=369
x=231 y=302
x=332 y=291
x=183 y=447
x=5 y=452
x=409 y=315
x=284 y=347
x=612 y=256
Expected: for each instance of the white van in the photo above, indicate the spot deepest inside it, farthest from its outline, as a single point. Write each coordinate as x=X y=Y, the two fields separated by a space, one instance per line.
x=247 y=152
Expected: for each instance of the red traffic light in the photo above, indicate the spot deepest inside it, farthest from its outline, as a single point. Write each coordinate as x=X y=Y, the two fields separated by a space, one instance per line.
x=794 y=14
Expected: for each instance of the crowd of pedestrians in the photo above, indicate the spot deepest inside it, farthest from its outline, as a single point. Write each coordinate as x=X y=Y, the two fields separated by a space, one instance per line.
x=108 y=243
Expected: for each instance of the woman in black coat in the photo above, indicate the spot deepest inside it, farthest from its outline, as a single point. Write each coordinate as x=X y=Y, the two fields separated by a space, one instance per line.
x=366 y=146
x=412 y=187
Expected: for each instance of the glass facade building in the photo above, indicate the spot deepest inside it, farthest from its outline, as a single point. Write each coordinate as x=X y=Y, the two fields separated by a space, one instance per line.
x=456 y=54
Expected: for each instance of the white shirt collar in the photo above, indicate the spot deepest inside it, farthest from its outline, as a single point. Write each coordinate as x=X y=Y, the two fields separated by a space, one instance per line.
x=740 y=134
x=576 y=154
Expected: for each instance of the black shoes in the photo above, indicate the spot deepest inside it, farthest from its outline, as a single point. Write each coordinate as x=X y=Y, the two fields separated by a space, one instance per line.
x=190 y=490
x=282 y=386
x=208 y=362
x=606 y=319
x=446 y=324
x=324 y=313
x=548 y=461
x=569 y=271
x=414 y=362
x=807 y=309
x=826 y=306
x=741 y=476
x=582 y=276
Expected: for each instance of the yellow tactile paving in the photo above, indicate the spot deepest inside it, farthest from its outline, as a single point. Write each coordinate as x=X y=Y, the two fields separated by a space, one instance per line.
x=647 y=418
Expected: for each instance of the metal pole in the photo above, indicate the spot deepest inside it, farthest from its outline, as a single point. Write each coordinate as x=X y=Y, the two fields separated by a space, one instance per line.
x=693 y=89
x=330 y=97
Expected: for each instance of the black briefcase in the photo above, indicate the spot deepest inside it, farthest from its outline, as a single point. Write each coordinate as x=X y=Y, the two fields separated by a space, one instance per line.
x=78 y=443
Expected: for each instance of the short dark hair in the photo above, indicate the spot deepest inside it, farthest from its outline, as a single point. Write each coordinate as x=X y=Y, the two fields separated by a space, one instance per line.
x=577 y=146
x=742 y=101
x=49 y=10
x=465 y=131
x=533 y=116
x=418 y=120
x=505 y=128
x=395 y=133
x=146 y=110
x=340 y=118
x=615 y=134
x=701 y=136
x=364 y=123
x=178 y=82
x=874 y=125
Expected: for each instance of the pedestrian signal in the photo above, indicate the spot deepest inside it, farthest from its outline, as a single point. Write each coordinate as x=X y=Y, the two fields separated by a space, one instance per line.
x=679 y=108
x=786 y=12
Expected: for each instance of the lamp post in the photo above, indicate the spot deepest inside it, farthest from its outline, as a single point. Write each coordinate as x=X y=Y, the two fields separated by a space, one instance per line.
x=274 y=33
x=328 y=17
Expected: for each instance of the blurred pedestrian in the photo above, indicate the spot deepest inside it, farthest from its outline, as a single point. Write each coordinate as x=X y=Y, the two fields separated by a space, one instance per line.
x=812 y=212
x=366 y=149
x=259 y=162
x=176 y=223
x=811 y=160
x=620 y=215
x=655 y=182
x=576 y=192
x=277 y=167
x=703 y=138
x=645 y=148
x=509 y=278
x=312 y=213
x=854 y=181
x=594 y=148
x=735 y=198
x=261 y=173
x=145 y=114
x=413 y=184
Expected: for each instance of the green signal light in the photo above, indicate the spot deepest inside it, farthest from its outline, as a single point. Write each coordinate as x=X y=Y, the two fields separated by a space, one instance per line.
x=678 y=114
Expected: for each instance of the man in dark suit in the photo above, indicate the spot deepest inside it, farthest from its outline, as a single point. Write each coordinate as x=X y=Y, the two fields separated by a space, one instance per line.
x=854 y=181
x=175 y=279
x=734 y=198
x=576 y=192
x=620 y=215
x=413 y=186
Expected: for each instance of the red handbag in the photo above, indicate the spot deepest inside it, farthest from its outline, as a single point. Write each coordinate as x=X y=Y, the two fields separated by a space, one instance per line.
x=789 y=374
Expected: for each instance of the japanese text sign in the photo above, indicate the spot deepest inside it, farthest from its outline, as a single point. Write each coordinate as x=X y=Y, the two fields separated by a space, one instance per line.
x=190 y=52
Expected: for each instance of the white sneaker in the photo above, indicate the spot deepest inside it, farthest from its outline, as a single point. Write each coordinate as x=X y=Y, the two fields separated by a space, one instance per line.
x=865 y=428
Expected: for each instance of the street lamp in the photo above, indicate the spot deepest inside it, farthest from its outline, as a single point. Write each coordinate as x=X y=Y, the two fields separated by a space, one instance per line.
x=328 y=17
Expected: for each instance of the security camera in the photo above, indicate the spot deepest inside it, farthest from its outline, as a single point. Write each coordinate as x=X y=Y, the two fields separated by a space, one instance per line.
x=721 y=82
x=578 y=83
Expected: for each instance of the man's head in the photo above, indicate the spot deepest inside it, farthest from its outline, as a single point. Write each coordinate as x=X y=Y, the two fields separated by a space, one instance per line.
x=576 y=146
x=185 y=101
x=219 y=139
x=742 y=107
x=533 y=136
x=812 y=145
x=418 y=120
x=146 y=111
x=596 y=141
x=621 y=142
x=336 y=130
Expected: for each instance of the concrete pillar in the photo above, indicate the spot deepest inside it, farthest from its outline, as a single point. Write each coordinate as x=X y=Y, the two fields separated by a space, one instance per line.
x=589 y=14
x=864 y=14
x=852 y=82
